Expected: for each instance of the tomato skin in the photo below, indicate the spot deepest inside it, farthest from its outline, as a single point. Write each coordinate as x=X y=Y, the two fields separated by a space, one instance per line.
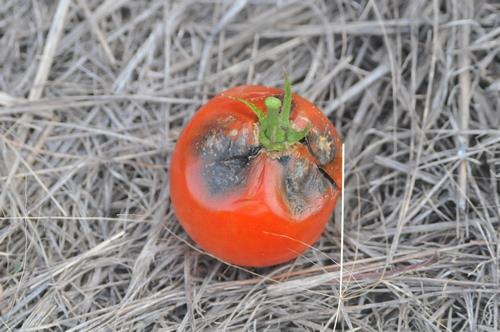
x=250 y=222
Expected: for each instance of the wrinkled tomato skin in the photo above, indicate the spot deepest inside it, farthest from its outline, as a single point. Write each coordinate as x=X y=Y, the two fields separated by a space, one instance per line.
x=251 y=224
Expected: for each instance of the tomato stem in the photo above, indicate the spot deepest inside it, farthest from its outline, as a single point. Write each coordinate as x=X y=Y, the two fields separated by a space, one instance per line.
x=273 y=103
x=276 y=132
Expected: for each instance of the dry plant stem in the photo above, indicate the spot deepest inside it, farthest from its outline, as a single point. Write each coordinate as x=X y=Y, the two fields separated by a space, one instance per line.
x=49 y=50
x=407 y=198
x=464 y=104
x=93 y=95
x=98 y=33
x=38 y=84
x=342 y=227
x=8 y=100
x=359 y=87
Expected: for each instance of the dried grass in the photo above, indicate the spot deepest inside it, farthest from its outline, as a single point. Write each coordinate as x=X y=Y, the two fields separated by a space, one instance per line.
x=94 y=94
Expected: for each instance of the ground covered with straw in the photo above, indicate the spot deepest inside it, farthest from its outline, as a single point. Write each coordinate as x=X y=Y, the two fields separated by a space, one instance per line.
x=93 y=95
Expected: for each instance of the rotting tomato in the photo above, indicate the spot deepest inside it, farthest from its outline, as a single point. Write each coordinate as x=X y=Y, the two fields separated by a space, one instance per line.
x=256 y=187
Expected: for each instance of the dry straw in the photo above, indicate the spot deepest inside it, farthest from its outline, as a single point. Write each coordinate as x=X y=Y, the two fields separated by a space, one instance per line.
x=93 y=95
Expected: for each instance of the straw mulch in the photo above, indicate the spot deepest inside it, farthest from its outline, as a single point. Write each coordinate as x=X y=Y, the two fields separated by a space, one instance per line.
x=93 y=95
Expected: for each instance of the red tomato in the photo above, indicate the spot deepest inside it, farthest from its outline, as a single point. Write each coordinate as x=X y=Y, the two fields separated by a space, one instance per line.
x=247 y=204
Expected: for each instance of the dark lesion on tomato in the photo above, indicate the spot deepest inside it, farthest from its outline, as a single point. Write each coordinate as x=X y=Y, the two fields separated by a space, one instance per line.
x=322 y=146
x=303 y=183
x=226 y=159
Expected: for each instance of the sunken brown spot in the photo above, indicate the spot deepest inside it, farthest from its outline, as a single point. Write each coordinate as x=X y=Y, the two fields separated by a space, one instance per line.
x=303 y=184
x=322 y=146
x=226 y=158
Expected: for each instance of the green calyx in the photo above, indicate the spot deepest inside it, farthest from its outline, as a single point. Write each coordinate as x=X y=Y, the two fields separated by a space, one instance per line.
x=275 y=130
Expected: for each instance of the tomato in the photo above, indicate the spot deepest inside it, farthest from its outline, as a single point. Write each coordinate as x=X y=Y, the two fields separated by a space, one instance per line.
x=250 y=192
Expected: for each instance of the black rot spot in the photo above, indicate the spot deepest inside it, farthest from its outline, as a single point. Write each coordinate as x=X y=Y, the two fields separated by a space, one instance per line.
x=225 y=160
x=303 y=183
x=322 y=146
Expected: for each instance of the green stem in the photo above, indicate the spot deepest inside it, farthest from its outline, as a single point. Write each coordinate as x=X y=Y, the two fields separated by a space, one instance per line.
x=276 y=133
x=287 y=102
